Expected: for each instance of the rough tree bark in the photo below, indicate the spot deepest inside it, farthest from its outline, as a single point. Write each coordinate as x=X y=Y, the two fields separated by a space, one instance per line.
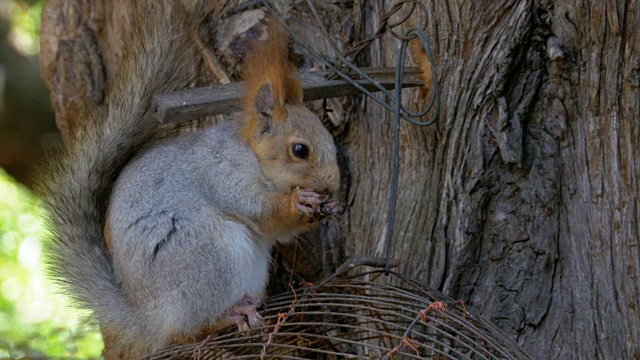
x=521 y=201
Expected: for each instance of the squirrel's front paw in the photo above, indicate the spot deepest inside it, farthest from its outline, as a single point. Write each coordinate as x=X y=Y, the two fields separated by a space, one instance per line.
x=313 y=206
x=331 y=208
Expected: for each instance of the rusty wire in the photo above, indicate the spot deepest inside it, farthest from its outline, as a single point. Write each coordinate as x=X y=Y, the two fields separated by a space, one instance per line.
x=385 y=26
x=356 y=317
x=388 y=101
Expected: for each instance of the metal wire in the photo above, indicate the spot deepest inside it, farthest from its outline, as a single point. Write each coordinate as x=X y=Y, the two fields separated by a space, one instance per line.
x=386 y=26
x=395 y=101
x=356 y=318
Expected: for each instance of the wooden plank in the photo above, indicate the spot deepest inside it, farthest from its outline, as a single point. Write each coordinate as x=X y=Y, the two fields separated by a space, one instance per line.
x=198 y=102
x=225 y=99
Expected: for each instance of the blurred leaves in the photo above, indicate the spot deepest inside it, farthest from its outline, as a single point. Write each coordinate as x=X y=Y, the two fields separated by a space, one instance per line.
x=24 y=19
x=34 y=322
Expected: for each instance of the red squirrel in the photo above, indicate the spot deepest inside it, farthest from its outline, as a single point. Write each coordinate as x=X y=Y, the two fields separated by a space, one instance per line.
x=168 y=240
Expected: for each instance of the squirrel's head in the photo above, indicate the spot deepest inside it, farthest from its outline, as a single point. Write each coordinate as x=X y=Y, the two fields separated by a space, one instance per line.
x=292 y=145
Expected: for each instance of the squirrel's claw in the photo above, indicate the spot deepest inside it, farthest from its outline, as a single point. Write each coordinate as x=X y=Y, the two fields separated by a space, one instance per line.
x=245 y=314
x=239 y=320
x=253 y=318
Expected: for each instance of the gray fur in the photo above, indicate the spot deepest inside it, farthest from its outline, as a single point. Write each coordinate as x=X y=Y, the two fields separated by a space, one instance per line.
x=183 y=259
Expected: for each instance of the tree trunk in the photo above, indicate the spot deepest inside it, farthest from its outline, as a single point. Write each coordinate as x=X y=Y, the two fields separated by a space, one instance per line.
x=521 y=200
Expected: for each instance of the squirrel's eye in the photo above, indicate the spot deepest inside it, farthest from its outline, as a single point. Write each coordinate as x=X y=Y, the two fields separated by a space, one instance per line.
x=300 y=151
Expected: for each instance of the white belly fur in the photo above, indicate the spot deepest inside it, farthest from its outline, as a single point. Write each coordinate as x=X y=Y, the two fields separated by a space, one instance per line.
x=252 y=257
x=248 y=260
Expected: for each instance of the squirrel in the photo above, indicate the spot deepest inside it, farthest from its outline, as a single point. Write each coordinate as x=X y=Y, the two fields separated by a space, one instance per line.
x=167 y=240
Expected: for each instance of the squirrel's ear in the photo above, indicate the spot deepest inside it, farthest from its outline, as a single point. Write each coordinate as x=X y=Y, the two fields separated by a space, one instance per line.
x=263 y=102
x=264 y=106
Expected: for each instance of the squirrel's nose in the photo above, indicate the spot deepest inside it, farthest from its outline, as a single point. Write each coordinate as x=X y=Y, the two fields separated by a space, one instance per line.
x=329 y=181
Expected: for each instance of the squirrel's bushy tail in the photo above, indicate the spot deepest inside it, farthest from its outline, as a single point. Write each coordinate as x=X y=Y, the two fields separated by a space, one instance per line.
x=160 y=57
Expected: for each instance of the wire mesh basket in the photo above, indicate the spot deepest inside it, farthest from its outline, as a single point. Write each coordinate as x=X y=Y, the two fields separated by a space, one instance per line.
x=358 y=316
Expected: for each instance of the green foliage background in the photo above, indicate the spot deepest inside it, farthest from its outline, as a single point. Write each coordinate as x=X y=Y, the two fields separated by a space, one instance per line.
x=35 y=322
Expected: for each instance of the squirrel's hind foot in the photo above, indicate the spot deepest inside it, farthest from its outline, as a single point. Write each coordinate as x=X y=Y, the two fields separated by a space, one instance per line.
x=244 y=314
